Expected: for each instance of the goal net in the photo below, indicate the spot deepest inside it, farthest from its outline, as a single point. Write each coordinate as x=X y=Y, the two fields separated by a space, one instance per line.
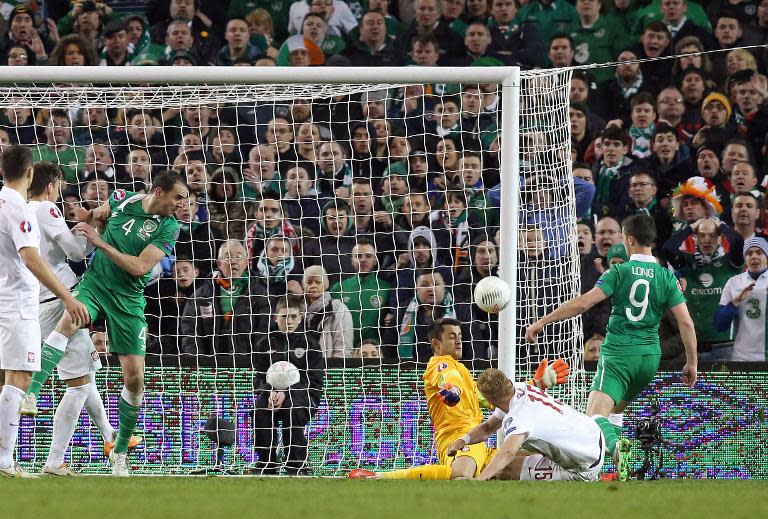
x=376 y=206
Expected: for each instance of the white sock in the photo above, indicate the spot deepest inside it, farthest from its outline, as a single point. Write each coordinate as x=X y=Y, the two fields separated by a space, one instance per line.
x=64 y=423
x=616 y=419
x=95 y=407
x=10 y=405
x=57 y=340
x=132 y=398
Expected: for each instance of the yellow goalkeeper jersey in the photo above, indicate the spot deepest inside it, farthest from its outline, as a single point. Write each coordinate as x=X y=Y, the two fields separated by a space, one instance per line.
x=451 y=423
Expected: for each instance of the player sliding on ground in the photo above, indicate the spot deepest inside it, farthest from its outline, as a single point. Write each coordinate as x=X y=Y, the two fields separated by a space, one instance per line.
x=78 y=364
x=559 y=442
x=454 y=406
x=642 y=291
x=139 y=231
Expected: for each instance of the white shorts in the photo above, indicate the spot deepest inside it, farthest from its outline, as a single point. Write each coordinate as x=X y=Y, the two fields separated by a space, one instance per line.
x=80 y=358
x=19 y=343
x=538 y=467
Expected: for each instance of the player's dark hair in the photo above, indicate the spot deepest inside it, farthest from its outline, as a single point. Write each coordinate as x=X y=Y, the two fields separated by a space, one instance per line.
x=167 y=180
x=641 y=227
x=16 y=161
x=45 y=173
x=435 y=332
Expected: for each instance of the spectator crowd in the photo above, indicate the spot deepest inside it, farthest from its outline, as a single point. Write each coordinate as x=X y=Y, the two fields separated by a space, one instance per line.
x=377 y=213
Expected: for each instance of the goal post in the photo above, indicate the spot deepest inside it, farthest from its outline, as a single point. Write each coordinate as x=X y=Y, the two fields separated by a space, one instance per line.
x=372 y=412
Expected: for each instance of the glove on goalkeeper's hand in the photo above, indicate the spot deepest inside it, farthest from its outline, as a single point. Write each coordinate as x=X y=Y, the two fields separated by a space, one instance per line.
x=548 y=375
x=449 y=394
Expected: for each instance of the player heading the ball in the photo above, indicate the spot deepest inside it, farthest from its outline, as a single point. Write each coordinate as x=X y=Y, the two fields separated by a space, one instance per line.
x=139 y=230
x=642 y=291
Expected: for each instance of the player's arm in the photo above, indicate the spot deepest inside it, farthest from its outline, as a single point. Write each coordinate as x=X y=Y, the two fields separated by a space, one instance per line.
x=688 y=335
x=503 y=456
x=95 y=217
x=75 y=247
x=572 y=308
x=449 y=387
x=477 y=434
x=135 y=266
x=41 y=270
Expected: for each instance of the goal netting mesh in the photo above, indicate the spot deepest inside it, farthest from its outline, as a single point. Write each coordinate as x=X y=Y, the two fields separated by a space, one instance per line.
x=376 y=206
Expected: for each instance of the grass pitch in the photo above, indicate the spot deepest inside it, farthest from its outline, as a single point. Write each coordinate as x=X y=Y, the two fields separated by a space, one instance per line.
x=235 y=498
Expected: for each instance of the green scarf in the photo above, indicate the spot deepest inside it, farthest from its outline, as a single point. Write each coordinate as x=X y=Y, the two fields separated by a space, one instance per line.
x=407 y=342
x=275 y=273
x=605 y=176
x=393 y=203
x=641 y=140
x=229 y=293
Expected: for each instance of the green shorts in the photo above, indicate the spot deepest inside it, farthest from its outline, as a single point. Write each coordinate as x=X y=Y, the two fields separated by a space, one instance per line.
x=623 y=377
x=126 y=325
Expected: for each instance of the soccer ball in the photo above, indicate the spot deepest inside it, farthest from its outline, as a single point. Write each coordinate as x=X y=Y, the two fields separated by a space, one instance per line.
x=282 y=375
x=492 y=294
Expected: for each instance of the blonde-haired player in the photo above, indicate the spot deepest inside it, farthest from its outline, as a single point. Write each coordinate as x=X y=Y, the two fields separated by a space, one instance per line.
x=454 y=407
x=559 y=442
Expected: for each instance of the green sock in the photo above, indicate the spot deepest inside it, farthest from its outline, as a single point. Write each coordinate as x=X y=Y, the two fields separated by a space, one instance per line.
x=129 y=414
x=619 y=430
x=50 y=358
x=609 y=432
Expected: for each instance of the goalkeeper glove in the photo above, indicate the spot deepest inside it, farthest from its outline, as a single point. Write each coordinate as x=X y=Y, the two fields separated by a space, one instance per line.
x=548 y=375
x=449 y=394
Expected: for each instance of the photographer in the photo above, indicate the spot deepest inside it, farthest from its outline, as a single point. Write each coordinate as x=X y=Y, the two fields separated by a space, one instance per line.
x=86 y=19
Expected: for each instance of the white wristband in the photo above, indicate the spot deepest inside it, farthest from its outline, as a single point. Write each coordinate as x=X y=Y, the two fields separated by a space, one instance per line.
x=466 y=438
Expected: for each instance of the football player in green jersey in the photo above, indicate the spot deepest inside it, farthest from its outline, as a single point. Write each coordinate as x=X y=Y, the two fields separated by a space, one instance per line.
x=137 y=232
x=642 y=290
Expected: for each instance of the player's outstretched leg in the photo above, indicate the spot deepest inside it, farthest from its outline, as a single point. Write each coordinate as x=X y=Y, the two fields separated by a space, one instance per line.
x=64 y=423
x=425 y=472
x=129 y=407
x=51 y=354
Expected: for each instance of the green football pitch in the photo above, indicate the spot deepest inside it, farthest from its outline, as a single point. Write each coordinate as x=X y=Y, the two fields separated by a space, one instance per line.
x=103 y=497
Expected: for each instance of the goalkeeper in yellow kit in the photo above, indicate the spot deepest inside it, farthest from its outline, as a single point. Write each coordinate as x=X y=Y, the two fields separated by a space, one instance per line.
x=454 y=406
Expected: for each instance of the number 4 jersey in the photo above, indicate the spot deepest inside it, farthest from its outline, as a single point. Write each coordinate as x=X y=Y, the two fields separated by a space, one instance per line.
x=642 y=290
x=569 y=438
x=129 y=230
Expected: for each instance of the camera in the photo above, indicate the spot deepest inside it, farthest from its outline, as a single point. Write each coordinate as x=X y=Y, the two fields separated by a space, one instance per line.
x=648 y=434
x=88 y=5
x=647 y=430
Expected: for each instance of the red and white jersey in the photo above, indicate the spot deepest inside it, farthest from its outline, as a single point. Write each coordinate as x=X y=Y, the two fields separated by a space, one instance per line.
x=57 y=244
x=569 y=438
x=19 y=288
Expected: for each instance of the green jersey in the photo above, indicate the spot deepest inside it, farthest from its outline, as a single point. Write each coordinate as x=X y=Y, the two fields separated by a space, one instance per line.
x=70 y=159
x=365 y=296
x=642 y=290
x=129 y=230
x=703 y=289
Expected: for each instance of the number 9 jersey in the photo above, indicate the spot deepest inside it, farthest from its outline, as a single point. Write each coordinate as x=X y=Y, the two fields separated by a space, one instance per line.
x=642 y=290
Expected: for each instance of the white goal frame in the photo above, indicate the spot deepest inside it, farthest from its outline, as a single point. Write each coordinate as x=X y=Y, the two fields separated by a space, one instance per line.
x=508 y=77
